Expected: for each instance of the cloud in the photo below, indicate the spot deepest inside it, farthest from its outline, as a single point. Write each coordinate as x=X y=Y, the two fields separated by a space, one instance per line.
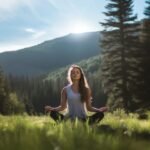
x=8 y=5
x=8 y=8
x=30 y=30
x=36 y=34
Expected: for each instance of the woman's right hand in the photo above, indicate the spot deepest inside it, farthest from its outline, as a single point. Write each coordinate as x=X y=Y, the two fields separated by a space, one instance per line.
x=48 y=108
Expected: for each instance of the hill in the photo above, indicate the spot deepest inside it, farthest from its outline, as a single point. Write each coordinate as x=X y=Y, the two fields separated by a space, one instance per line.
x=91 y=67
x=51 y=55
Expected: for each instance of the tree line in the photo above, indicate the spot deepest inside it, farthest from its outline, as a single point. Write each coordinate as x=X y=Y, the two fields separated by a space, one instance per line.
x=32 y=94
x=9 y=101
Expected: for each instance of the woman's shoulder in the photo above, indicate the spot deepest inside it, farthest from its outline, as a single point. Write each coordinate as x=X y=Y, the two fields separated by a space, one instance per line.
x=66 y=87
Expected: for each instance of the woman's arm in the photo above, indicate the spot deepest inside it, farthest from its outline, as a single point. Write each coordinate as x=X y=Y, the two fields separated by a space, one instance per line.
x=63 y=103
x=90 y=107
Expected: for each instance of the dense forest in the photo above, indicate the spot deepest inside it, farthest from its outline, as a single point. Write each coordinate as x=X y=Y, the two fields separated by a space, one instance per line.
x=119 y=76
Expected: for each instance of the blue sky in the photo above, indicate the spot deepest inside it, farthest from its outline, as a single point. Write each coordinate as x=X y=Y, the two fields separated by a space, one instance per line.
x=24 y=23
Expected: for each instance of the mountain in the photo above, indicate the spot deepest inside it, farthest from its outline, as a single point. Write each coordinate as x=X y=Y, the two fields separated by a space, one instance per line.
x=51 y=55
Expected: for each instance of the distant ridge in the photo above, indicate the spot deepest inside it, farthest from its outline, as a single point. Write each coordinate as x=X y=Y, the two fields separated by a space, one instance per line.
x=51 y=55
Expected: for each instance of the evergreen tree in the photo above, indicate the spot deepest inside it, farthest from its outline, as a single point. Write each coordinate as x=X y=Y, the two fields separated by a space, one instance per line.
x=3 y=92
x=120 y=56
x=146 y=56
x=147 y=9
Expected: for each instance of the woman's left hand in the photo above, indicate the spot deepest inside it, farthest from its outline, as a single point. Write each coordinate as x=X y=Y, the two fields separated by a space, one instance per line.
x=103 y=109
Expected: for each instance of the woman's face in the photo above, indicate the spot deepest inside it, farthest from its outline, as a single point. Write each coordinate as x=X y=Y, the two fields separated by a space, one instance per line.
x=75 y=74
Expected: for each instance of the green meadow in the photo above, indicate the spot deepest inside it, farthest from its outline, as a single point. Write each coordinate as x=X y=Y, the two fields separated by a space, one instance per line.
x=117 y=131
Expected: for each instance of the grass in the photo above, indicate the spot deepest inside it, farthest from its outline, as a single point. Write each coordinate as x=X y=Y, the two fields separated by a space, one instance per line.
x=116 y=131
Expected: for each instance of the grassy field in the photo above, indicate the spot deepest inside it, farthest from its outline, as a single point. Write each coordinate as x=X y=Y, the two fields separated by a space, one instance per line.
x=116 y=131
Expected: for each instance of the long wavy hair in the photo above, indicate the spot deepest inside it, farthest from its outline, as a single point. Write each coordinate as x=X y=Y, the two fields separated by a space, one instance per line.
x=83 y=84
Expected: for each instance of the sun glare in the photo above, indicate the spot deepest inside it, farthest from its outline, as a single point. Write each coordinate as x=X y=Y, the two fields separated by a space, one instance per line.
x=80 y=28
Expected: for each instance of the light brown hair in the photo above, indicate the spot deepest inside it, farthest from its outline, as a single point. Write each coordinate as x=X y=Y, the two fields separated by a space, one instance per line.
x=83 y=84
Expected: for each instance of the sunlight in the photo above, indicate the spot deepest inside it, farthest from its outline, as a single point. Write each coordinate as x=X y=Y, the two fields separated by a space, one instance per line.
x=80 y=28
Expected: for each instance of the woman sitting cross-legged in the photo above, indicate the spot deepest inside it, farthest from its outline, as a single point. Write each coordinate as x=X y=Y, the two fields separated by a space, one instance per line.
x=77 y=96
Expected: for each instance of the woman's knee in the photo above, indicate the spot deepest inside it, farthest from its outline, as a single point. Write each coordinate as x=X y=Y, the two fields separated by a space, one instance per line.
x=100 y=114
x=53 y=114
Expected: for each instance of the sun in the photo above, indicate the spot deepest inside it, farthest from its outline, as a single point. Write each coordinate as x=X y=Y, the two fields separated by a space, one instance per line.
x=80 y=28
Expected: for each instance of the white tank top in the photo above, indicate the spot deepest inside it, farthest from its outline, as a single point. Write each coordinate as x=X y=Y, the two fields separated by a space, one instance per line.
x=76 y=108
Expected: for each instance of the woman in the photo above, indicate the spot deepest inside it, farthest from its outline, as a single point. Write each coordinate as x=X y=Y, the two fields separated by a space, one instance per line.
x=77 y=96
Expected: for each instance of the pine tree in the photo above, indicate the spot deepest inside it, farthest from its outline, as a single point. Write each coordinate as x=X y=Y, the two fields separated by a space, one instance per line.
x=146 y=56
x=147 y=9
x=120 y=55
x=3 y=93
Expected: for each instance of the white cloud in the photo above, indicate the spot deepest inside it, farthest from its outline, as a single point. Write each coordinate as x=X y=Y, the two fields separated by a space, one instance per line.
x=9 y=7
x=30 y=30
x=9 y=4
x=36 y=34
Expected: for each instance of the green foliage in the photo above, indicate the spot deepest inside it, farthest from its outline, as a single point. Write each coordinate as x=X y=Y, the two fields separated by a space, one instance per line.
x=147 y=9
x=38 y=133
x=14 y=105
x=128 y=124
x=9 y=102
x=3 y=92
x=121 y=56
x=145 y=40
